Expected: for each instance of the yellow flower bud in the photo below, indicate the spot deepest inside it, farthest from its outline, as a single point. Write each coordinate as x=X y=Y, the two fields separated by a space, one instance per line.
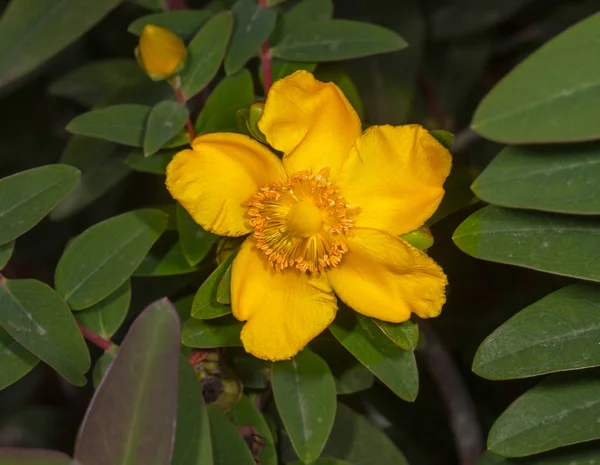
x=161 y=53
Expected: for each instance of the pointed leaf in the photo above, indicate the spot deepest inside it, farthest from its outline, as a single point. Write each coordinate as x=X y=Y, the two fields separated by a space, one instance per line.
x=205 y=304
x=224 y=288
x=559 y=244
x=227 y=444
x=156 y=164
x=124 y=124
x=14 y=456
x=131 y=418
x=195 y=241
x=558 y=178
x=166 y=119
x=404 y=335
x=205 y=54
x=6 y=252
x=102 y=365
x=38 y=319
x=185 y=23
x=395 y=367
x=335 y=40
x=557 y=333
x=104 y=256
x=15 y=360
x=107 y=316
x=31 y=31
x=167 y=262
x=542 y=99
x=209 y=334
x=305 y=395
x=561 y=410
x=28 y=196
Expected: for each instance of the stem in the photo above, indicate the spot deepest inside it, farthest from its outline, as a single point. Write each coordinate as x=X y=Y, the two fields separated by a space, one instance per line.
x=463 y=418
x=265 y=57
x=95 y=339
x=176 y=84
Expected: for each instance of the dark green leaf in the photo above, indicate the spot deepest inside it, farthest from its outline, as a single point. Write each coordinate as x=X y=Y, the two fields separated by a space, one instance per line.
x=205 y=304
x=585 y=454
x=195 y=241
x=166 y=119
x=101 y=367
x=281 y=69
x=107 y=316
x=224 y=288
x=131 y=418
x=209 y=334
x=558 y=244
x=101 y=167
x=96 y=81
x=253 y=372
x=308 y=11
x=553 y=178
x=355 y=440
x=123 y=124
x=395 y=367
x=446 y=138
x=231 y=94
x=228 y=446
x=305 y=395
x=156 y=164
x=32 y=31
x=542 y=99
x=561 y=410
x=6 y=252
x=205 y=53
x=192 y=435
x=14 y=456
x=15 y=360
x=558 y=333
x=184 y=23
x=37 y=317
x=245 y=413
x=324 y=462
x=104 y=256
x=404 y=335
x=252 y=25
x=161 y=262
x=28 y=196
x=335 y=40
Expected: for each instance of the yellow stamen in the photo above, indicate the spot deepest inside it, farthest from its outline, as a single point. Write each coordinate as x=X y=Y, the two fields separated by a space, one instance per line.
x=301 y=222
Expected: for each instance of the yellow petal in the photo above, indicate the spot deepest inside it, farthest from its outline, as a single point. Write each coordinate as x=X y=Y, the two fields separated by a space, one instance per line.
x=383 y=277
x=160 y=51
x=284 y=310
x=311 y=122
x=395 y=175
x=215 y=179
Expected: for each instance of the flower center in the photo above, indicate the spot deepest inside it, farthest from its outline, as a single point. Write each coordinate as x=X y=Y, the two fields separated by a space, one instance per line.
x=301 y=222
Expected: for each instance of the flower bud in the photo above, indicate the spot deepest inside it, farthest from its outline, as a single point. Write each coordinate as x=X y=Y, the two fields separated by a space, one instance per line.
x=160 y=52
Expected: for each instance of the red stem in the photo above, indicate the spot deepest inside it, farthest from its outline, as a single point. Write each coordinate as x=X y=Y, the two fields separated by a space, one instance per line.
x=265 y=57
x=174 y=5
x=95 y=339
x=181 y=99
x=435 y=110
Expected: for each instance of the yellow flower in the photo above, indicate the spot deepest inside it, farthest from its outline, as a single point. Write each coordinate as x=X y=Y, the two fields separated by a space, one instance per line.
x=324 y=221
x=160 y=52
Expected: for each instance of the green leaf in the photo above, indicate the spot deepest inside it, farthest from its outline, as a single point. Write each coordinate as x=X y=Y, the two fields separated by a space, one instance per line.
x=124 y=124
x=101 y=366
x=404 y=335
x=166 y=119
x=335 y=40
x=542 y=99
x=557 y=333
x=101 y=166
x=422 y=238
x=209 y=334
x=281 y=69
x=559 y=244
x=308 y=11
x=305 y=395
x=104 y=256
x=561 y=410
x=357 y=441
x=156 y=164
x=205 y=53
x=395 y=367
x=446 y=138
x=38 y=319
x=192 y=435
x=227 y=444
x=230 y=95
x=107 y=316
x=323 y=462
x=27 y=197
x=6 y=252
x=195 y=241
x=252 y=25
x=15 y=360
x=131 y=418
x=585 y=454
x=205 y=304
x=245 y=413
x=33 y=31
x=164 y=262
x=224 y=288
x=552 y=178
x=14 y=456
x=185 y=23
x=96 y=81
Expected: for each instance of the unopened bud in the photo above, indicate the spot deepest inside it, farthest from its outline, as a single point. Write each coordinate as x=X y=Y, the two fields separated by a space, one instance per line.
x=160 y=52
